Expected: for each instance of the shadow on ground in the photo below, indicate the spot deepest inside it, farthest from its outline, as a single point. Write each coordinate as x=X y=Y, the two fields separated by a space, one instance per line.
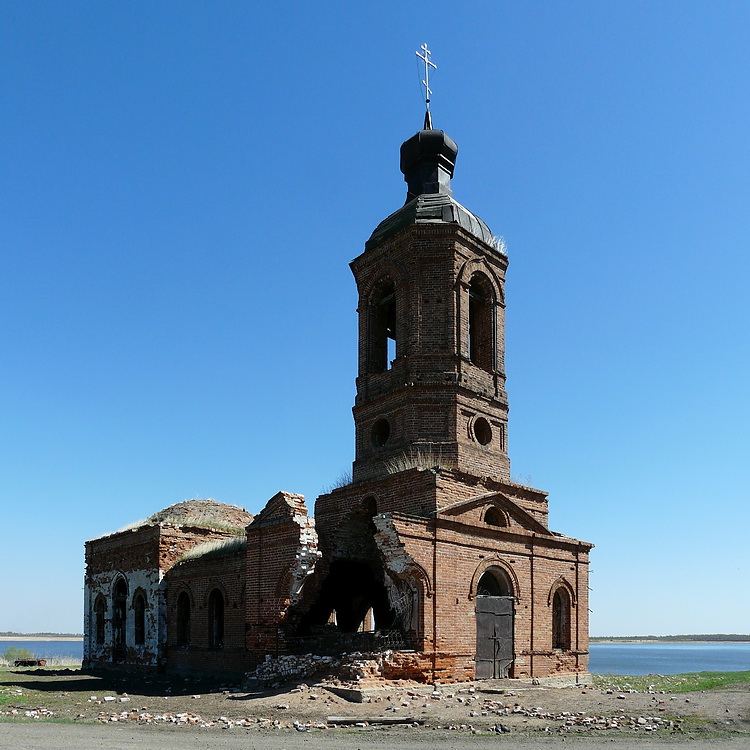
x=99 y=682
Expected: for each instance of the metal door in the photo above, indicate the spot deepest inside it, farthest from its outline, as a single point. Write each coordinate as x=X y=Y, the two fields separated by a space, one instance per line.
x=494 y=636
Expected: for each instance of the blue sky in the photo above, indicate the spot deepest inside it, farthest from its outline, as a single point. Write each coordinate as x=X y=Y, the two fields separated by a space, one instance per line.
x=184 y=183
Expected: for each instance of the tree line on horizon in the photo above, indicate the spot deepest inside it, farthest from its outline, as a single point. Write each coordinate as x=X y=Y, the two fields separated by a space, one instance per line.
x=13 y=634
x=718 y=637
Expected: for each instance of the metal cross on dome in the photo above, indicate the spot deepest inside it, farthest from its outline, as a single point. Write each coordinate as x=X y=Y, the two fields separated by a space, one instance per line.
x=424 y=55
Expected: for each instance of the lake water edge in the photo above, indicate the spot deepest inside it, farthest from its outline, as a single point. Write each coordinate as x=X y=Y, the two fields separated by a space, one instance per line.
x=632 y=658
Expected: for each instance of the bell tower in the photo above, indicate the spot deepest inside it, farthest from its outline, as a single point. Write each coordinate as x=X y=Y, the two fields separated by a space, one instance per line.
x=431 y=379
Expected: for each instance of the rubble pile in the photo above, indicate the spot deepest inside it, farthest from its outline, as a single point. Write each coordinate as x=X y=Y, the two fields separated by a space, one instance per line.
x=292 y=667
x=196 y=720
x=578 y=719
x=353 y=667
x=357 y=667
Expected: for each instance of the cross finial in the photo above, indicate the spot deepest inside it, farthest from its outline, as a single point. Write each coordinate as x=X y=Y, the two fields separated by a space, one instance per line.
x=424 y=55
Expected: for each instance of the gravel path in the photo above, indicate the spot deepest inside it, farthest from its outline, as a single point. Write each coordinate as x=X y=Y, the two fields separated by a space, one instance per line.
x=35 y=736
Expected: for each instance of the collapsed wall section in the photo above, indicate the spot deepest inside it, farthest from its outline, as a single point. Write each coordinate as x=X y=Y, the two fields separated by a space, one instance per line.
x=282 y=552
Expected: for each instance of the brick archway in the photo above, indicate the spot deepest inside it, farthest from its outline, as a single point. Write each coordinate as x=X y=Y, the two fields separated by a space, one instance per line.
x=494 y=562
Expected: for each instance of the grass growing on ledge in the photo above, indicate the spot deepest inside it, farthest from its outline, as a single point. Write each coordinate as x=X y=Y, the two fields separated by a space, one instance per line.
x=672 y=683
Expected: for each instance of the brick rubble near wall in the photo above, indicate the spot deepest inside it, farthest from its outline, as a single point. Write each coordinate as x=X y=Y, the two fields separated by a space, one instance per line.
x=350 y=668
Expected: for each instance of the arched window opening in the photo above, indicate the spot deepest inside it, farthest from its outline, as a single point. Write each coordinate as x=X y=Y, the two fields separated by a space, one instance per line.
x=383 y=328
x=481 y=323
x=100 y=609
x=561 y=619
x=183 y=619
x=495 y=582
x=368 y=622
x=139 y=624
x=119 y=619
x=215 y=619
x=493 y=517
x=381 y=431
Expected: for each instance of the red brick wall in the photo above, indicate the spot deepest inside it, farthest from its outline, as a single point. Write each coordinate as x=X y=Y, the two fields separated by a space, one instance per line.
x=198 y=578
x=433 y=393
x=451 y=546
x=141 y=556
x=454 y=555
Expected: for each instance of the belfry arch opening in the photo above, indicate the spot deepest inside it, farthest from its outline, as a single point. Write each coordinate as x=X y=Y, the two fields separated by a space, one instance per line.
x=382 y=338
x=481 y=333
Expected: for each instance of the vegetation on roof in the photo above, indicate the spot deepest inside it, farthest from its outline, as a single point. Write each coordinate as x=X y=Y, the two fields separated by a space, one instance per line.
x=204 y=514
x=215 y=548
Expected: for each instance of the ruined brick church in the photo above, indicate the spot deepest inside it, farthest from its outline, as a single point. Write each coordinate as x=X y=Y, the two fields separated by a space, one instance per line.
x=431 y=552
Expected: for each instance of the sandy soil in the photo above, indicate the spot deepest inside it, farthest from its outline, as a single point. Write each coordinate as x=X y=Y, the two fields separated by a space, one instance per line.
x=474 y=709
x=91 y=737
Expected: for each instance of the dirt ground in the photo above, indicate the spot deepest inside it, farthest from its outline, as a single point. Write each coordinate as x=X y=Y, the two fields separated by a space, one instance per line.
x=487 y=708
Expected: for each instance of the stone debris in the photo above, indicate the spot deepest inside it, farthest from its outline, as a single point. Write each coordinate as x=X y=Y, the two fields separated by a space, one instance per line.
x=32 y=713
x=400 y=704
x=196 y=720
x=291 y=667
x=355 y=667
x=581 y=718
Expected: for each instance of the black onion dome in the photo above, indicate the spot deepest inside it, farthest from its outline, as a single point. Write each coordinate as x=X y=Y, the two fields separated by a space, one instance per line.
x=428 y=159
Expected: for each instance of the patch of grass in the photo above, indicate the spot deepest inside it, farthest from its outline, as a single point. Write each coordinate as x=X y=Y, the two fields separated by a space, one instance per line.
x=14 y=652
x=42 y=719
x=12 y=699
x=10 y=694
x=672 y=683
x=419 y=458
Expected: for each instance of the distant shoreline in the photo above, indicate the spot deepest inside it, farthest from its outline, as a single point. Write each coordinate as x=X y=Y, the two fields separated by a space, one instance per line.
x=662 y=641
x=41 y=638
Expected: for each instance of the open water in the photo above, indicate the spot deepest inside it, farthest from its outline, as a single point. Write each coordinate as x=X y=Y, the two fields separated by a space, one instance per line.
x=668 y=658
x=606 y=658
x=72 y=650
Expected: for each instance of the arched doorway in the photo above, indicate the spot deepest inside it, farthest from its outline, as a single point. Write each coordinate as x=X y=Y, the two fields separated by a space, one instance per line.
x=494 y=612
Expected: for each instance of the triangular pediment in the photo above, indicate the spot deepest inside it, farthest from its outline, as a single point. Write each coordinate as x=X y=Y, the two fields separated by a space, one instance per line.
x=504 y=511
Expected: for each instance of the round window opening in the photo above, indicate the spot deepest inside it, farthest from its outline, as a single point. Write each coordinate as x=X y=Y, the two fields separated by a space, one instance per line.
x=381 y=431
x=482 y=431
